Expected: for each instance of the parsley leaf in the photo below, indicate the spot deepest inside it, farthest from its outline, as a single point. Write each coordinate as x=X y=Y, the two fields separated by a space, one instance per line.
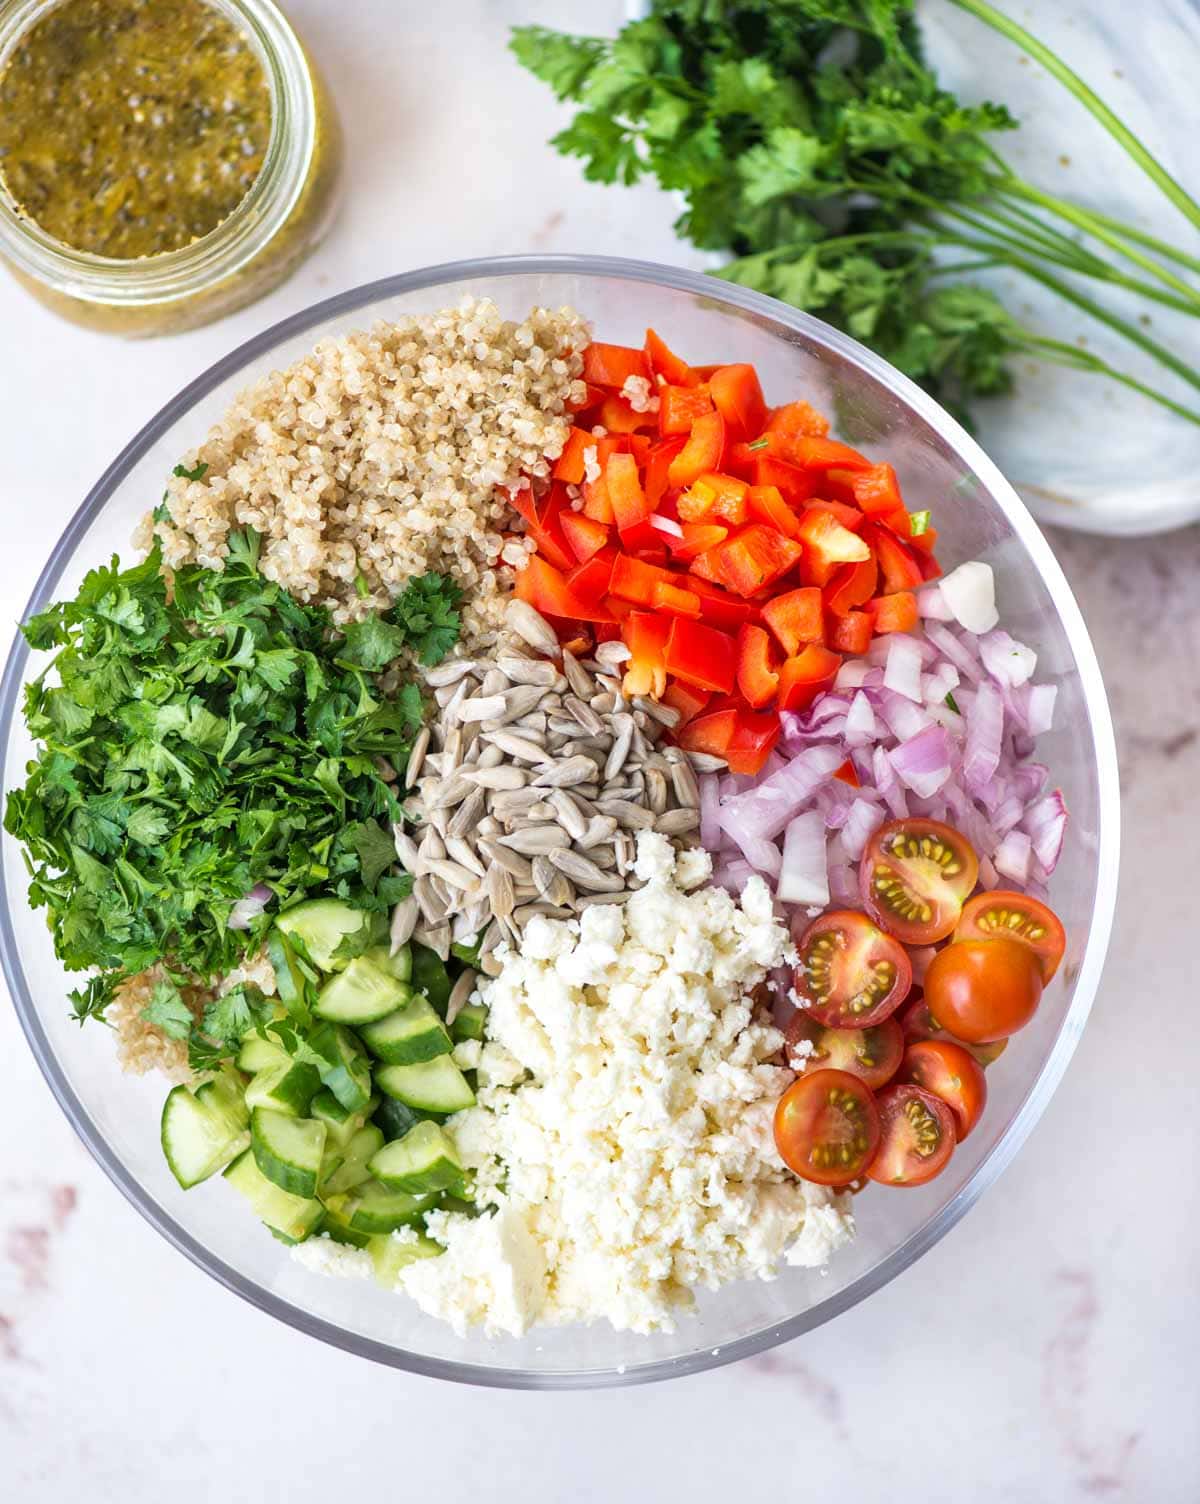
x=197 y=474
x=167 y=1010
x=376 y=850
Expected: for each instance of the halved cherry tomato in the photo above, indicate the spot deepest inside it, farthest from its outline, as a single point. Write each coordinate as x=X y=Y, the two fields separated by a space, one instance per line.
x=918 y=1023
x=850 y=974
x=1015 y=916
x=914 y=877
x=984 y=989
x=873 y=1055
x=950 y=1072
x=917 y=1136
x=827 y=1127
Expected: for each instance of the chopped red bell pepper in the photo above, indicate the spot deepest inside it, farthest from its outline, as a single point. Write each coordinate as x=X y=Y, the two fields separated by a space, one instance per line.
x=645 y=636
x=634 y=580
x=703 y=451
x=755 y=558
x=711 y=731
x=701 y=655
x=625 y=493
x=596 y=504
x=546 y=589
x=704 y=566
x=663 y=362
x=618 y=415
x=584 y=536
x=569 y=465
x=804 y=677
x=850 y=517
x=552 y=545
x=796 y=486
x=850 y=633
x=697 y=537
x=738 y=397
x=894 y=613
x=676 y=601
x=658 y=463
x=680 y=406
x=686 y=699
x=796 y=420
x=589 y=581
x=925 y=542
x=757 y=670
x=612 y=365
x=644 y=541
x=877 y=490
x=713 y=498
x=796 y=618
x=752 y=742
x=593 y=396
x=767 y=504
x=897 y=563
x=813 y=453
x=848 y=773
x=826 y=545
x=720 y=609
x=851 y=585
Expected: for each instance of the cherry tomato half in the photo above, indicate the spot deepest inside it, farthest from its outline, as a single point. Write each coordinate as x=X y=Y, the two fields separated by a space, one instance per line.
x=851 y=975
x=917 y=1022
x=1015 y=916
x=950 y=1072
x=917 y=1136
x=914 y=876
x=984 y=989
x=827 y=1127
x=873 y=1055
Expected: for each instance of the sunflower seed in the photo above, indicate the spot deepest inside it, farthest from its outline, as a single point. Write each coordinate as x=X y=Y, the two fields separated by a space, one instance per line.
x=541 y=811
x=490 y=964
x=683 y=781
x=433 y=910
x=404 y=921
x=430 y=849
x=452 y=874
x=625 y=851
x=584 y=872
x=551 y=911
x=678 y=822
x=538 y=671
x=665 y=715
x=526 y=748
x=570 y=815
x=534 y=724
x=510 y=802
x=603 y=704
x=439 y=819
x=631 y=816
x=452 y=751
x=487 y=756
x=564 y=729
x=600 y=829
x=612 y=654
x=705 y=762
x=491 y=938
x=656 y=791
x=604 y=857
x=436 y=938
x=514 y=864
x=460 y=851
x=590 y=900
x=622 y=742
x=579 y=681
x=488 y=826
x=582 y=712
x=482 y=708
x=499 y=778
x=450 y=791
x=416 y=757
x=552 y=886
x=406 y=848
x=559 y=775
x=499 y=886
x=495 y=682
x=536 y=840
x=462 y=691
x=531 y=626
x=447 y=674
x=468 y=813
x=520 y=700
x=460 y=994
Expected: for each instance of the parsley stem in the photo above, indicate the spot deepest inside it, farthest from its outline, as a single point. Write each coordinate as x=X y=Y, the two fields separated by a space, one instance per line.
x=1119 y=228
x=1084 y=360
x=1090 y=100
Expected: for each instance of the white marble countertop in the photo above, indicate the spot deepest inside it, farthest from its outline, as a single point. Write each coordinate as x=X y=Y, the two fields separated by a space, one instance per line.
x=1044 y=1350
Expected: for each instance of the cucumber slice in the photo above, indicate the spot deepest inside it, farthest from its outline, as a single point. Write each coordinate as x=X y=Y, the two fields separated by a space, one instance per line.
x=398 y=966
x=429 y=975
x=293 y=1218
x=342 y=1232
x=395 y=1118
x=259 y=1054
x=223 y=1096
x=471 y=1023
x=343 y=1067
x=371 y=1207
x=352 y=1170
x=340 y=1123
x=390 y=1255
x=409 y=1035
x=323 y=926
x=288 y=1150
x=425 y=1159
x=286 y=1088
x=200 y=1137
x=361 y=994
x=293 y=977
x=433 y=1085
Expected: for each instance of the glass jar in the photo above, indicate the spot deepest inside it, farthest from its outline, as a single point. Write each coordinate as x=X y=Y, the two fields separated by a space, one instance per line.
x=282 y=217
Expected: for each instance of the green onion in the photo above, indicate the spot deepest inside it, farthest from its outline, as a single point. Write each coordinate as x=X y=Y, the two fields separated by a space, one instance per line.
x=362 y=589
x=918 y=523
x=953 y=704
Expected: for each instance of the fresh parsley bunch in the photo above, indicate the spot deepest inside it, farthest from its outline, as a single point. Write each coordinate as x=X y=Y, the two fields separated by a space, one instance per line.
x=199 y=736
x=811 y=142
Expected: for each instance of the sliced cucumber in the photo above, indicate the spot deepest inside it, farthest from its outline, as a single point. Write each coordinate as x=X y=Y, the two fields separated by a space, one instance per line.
x=395 y=1118
x=352 y=1170
x=285 y=1088
x=433 y=1085
x=224 y=1097
x=199 y=1137
x=471 y=1023
x=398 y=966
x=293 y=1218
x=425 y=1159
x=390 y=1255
x=259 y=1054
x=429 y=975
x=292 y=975
x=361 y=994
x=371 y=1207
x=288 y=1150
x=341 y=1232
x=322 y=926
x=411 y=1034
x=341 y=1124
x=344 y=1069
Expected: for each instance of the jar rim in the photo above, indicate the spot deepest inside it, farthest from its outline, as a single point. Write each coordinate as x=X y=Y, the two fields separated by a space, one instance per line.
x=229 y=245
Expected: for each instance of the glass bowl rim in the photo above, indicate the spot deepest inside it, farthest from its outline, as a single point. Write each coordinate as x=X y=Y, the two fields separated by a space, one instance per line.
x=1107 y=851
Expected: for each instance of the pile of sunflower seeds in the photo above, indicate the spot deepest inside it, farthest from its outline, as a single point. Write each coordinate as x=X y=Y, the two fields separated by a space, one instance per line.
x=528 y=790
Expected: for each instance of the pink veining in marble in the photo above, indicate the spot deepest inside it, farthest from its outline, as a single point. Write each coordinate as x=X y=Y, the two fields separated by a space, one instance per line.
x=27 y=1249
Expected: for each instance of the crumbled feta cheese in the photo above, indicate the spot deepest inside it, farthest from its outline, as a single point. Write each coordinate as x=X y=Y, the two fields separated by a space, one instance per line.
x=321 y=1255
x=622 y=1144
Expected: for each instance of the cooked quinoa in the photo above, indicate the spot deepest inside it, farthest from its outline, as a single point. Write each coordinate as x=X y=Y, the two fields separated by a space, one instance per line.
x=378 y=457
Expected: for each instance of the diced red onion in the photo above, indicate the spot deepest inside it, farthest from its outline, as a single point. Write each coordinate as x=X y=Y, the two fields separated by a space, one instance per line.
x=861 y=726
x=904 y=719
x=246 y=910
x=851 y=674
x=1046 y=824
x=1009 y=662
x=1013 y=855
x=666 y=525
x=864 y=818
x=970 y=593
x=764 y=811
x=803 y=877
x=1039 y=708
x=923 y=761
x=932 y=606
x=903 y=671
x=710 y=824
x=950 y=647
x=733 y=875
x=937 y=685
x=985 y=733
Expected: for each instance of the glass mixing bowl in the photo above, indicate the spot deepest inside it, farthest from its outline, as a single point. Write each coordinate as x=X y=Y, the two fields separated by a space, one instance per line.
x=978 y=515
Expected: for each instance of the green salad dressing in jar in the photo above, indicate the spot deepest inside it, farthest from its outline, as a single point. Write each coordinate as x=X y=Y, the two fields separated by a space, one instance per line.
x=162 y=162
